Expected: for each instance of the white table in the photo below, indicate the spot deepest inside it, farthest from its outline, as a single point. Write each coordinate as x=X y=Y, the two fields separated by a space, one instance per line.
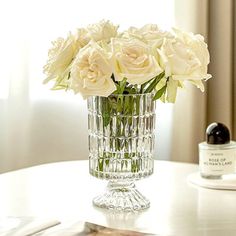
x=65 y=190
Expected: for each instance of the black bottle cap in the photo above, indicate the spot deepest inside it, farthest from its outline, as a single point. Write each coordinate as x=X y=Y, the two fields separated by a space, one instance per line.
x=217 y=133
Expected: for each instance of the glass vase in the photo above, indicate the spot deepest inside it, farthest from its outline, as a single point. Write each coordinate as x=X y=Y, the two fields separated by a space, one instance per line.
x=121 y=143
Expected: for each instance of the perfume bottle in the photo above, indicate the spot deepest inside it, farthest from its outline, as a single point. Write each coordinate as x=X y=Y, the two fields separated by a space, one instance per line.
x=217 y=156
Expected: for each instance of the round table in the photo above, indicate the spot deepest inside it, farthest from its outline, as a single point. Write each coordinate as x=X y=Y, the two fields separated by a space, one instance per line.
x=65 y=190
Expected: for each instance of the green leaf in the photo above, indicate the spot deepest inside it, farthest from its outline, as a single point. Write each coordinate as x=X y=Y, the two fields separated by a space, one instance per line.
x=154 y=83
x=100 y=164
x=159 y=93
x=130 y=90
x=106 y=110
x=126 y=105
x=144 y=85
x=122 y=85
x=112 y=103
x=151 y=86
x=117 y=91
x=120 y=103
x=137 y=104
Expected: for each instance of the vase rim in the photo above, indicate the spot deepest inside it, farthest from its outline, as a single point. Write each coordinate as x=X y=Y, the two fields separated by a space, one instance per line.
x=127 y=95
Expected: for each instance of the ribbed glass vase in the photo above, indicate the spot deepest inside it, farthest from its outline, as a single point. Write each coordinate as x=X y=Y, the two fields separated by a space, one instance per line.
x=121 y=143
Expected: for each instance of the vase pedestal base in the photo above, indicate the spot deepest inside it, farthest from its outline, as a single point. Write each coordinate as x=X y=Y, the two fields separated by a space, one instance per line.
x=122 y=195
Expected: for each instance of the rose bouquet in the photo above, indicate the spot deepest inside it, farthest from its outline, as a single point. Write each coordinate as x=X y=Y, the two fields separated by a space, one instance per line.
x=122 y=74
x=100 y=61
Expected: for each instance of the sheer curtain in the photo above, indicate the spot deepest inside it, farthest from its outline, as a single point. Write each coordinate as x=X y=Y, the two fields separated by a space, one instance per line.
x=215 y=20
x=38 y=125
x=189 y=113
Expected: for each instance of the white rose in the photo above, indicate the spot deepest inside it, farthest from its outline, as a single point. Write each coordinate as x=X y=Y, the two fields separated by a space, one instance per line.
x=82 y=37
x=133 y=59
x=104 y=30
x=149 y=33
x=60 y=57
x=185 y=58
x=91 y=72
x=152 y=32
